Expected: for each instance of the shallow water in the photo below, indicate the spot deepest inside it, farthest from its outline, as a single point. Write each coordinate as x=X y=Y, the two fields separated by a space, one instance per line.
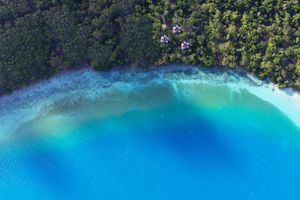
x=171 y=133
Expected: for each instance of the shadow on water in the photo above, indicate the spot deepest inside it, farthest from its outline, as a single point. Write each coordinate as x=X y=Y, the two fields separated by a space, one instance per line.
x=192 y=136
x=198 y=142
x=53 y=172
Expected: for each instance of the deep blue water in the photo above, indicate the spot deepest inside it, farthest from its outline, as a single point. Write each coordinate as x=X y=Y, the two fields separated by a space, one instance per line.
x=164 y=138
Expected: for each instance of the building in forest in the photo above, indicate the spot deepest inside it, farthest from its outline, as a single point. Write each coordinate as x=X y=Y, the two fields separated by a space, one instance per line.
x=164 y=39
x=177 y=29
x=185 y=45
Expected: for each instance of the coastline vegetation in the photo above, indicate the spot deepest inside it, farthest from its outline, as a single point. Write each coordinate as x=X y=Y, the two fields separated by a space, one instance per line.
x=41 y=37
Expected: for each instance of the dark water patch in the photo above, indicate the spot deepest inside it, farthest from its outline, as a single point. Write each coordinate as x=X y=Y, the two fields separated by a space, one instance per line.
x=194 y=137
x=50 y=169
x=157 y=135
x=178 y=129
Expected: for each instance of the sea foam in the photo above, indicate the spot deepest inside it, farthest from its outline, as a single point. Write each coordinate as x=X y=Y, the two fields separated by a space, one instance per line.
x=87 y=86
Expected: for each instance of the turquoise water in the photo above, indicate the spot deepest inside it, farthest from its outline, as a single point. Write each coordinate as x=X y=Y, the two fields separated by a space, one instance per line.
x=171 y=133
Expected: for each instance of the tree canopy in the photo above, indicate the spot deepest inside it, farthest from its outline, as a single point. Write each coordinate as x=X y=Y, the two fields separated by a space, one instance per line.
x=41 y=37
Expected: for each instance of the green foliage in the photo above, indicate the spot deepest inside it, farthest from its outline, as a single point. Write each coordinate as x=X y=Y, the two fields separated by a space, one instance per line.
x=136 y=43
x=298 y=69
x=41 y=37
x=24 y=52
x=103 y=57
x=68 y=38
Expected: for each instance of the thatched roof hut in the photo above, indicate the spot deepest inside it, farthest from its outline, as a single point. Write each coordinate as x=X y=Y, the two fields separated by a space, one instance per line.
x=185 y=45
x=177 y=29
x=164 y=39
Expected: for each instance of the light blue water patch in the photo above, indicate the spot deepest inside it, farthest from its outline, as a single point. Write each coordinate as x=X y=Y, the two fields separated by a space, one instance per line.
x=178 y=133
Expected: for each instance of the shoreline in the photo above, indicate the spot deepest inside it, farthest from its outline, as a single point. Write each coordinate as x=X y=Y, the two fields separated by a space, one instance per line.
x=171 y=67
x=31 y=102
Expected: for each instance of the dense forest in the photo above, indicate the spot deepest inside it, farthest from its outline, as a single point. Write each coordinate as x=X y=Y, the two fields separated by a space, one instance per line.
x=41 y=37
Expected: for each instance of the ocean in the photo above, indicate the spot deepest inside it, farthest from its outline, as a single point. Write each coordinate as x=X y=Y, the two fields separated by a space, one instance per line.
x=174 y=132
